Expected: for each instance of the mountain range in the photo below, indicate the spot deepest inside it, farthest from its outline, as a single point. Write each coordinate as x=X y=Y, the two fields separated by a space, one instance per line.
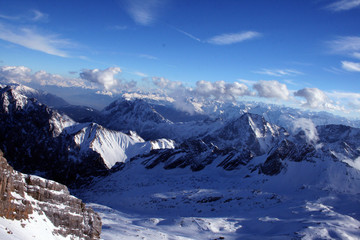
x=221 y=172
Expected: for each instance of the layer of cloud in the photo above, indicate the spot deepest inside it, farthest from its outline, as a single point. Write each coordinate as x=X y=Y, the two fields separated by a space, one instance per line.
x=231 y=38
x=105 y=78
x=279 y=72
x=32 y=39
x=24 y=75
x=351 y=66
x=144 y=12
x=343 y=5
x=272 y=89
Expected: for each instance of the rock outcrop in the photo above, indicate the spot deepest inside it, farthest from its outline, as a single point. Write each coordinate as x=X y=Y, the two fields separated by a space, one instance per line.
x=24 y=195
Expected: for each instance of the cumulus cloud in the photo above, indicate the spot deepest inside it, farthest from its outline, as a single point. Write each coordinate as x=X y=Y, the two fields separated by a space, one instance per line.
x=14 y=74
x=105 y=78
x=272 y=89
x=231 y=38
x=32 y=39
x=144 y=12
x=351 y=66
x=343 y=5
x=221 y=90
x=315 y=98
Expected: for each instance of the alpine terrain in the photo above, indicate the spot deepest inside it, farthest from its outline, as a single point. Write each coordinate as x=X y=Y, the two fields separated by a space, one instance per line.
x=152 y=171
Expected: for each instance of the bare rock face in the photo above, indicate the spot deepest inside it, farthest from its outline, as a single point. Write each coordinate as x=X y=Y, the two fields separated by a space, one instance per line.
x=21 y=195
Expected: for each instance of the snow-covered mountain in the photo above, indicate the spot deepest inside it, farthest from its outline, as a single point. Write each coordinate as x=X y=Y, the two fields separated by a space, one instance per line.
x=32 y=134
x=231 y=171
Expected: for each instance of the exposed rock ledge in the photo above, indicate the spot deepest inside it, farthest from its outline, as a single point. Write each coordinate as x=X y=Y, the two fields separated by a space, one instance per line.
x=21 y=196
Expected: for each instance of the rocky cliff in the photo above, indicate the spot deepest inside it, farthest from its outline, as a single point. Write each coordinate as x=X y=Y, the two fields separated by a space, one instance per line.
x=26 y=197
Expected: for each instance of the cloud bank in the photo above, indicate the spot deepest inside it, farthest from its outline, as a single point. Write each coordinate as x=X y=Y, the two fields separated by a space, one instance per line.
x=24 y=75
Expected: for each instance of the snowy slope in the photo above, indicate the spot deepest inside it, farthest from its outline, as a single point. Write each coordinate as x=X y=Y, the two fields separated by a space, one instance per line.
x=113 y=146
x=310 y=200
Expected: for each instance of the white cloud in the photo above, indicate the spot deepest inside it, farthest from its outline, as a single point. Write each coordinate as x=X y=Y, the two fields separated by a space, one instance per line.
x=231 y=38
x=346 y=45
x=9 y=17
x=351 y=99
x=118 y=27
x=30 y=38
x=187 y=34
x=21 y=74
x=272 y=89
x=279 y=72
x=164 y=83
x=247 y=82
x=144 y=12
x=140 y=74
x=148 y=56
x=343 y=5
x=221 y=90
x=351 y=66
x=316 y=99
x=105 y=78
x=309 y=129
x=14 y=74
x=38 y=16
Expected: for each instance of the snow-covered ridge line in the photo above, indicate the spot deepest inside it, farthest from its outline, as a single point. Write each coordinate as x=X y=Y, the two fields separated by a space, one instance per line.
x=114 y=146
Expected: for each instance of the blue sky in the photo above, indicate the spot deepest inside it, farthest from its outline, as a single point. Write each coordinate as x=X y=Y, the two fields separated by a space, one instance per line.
x=304 y=53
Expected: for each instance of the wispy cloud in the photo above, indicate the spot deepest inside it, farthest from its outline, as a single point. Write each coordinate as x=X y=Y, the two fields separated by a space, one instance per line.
x=247 y=82
x=6 y=17
x=144 y=12
x=279 y=72
x=231 y=38
x=140 y=74
x=32 y=39
x=33 y=15
x=343 y=5
x=118 y=27
x=187 y=34
x=351 y=66
x=38 y=15
x=349 y=45
x=148 y=56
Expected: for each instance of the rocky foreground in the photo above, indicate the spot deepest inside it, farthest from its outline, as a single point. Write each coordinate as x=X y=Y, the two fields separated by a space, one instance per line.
x=32 y=200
